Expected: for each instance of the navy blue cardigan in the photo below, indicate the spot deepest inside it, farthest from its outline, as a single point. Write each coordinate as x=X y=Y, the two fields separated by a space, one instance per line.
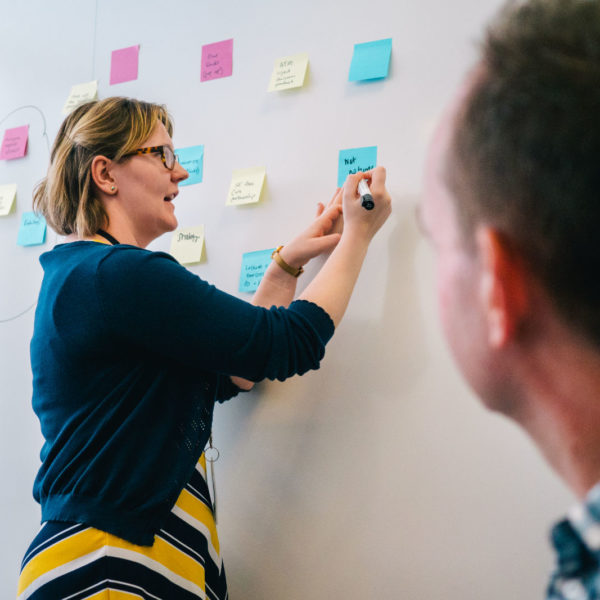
x=129 y=353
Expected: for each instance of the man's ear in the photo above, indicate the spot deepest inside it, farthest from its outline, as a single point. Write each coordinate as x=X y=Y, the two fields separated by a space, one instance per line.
x=102 y=175
x=504 y=290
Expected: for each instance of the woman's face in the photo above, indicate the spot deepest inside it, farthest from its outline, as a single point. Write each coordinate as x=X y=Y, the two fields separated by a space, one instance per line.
x=146 y=190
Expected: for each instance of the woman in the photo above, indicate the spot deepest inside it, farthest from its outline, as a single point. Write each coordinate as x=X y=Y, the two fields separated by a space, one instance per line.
x=130 y=350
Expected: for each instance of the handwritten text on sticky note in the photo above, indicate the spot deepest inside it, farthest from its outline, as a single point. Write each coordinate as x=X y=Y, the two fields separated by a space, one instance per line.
x=187 y=245
x=246 y=186
x=356 y=159
x=217 y=60
x=289 y=72
x=8 y=194
x=32 y=231
x=14 y=143
x=80 y=93
x=191 y=159
x=124 y=64
x=371 y=60
x=254 y=265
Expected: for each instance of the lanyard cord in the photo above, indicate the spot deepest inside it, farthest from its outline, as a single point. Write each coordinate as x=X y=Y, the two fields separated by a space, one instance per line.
x=107 y=236
x=211 y=454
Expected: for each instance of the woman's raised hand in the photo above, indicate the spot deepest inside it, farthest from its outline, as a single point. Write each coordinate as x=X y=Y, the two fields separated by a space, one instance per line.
x=358 y=220
x=333 y=284
x=344 y=213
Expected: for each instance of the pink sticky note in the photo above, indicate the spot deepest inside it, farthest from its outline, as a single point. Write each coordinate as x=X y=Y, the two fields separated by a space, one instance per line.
x=217 y=60
x=124 y=64
x=14 y=143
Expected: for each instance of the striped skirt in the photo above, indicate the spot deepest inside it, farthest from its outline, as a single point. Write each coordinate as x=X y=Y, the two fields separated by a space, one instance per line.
x=72 y=561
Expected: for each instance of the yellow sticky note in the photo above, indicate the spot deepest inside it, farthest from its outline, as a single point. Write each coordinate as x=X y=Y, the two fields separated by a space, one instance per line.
x=246 y=186
x=80 y=93
x=187 y=245
x=289 y=72
x=8 y=194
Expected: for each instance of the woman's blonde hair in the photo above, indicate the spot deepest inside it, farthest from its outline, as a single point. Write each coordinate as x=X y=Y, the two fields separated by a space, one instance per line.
x=112 y=127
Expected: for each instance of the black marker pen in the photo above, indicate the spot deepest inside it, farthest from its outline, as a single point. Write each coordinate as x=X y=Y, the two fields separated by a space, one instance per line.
x=365 y=195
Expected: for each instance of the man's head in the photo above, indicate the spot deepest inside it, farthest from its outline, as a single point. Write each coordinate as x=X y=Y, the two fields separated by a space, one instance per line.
x=513 y=183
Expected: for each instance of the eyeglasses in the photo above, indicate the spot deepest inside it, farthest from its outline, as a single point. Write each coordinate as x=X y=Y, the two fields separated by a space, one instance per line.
x=167 y=155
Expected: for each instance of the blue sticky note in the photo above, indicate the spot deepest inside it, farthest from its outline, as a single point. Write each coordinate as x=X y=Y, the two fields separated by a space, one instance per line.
x=254 y=265
x=371 y=60
x=192 y=160
x=354 y=160
x=32 y=231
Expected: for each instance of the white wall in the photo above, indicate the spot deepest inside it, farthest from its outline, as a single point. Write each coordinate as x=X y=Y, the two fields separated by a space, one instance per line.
x=378 y=476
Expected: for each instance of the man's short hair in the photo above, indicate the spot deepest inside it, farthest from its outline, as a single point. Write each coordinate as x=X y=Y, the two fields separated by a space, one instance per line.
x=525 y=156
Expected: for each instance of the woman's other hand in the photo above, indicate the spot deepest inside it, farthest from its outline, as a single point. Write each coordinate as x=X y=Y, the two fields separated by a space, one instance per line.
x=321 y=236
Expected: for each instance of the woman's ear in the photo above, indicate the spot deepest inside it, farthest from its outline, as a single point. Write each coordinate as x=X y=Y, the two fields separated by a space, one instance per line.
x=102 y=175
x=504 y=289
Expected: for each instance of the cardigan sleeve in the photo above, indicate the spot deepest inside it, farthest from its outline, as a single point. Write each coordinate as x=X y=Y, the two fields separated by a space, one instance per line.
x=226 y=389
x=149 y=301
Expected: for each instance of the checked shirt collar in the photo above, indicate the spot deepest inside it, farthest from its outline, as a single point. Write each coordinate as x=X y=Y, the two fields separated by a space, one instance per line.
x=576 y=540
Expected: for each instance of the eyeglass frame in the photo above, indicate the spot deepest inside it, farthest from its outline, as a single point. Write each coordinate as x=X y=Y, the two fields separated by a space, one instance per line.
x=154 y=149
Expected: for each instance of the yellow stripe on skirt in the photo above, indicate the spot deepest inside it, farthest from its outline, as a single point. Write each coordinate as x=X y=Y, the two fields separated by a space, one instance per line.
x=73 y=561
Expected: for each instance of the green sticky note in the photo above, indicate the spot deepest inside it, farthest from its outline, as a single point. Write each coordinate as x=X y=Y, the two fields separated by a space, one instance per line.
x=371 y=60
x=8 y=194
x=246 y=186
x=80 y=93
x=187 y=245
x=289 y=72
x=32 y=231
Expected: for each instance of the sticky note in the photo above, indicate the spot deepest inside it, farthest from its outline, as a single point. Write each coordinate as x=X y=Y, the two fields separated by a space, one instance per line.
x=289 y=72
x=187 y=245
x=354 y=160
x=371 y=60
x=124 y=64
x=8 y=195
x=80 y=93
x=14 y=143
x=217 y=60
x=254 y=265
x=32 y=231
x=246 y=186
x=191 y=159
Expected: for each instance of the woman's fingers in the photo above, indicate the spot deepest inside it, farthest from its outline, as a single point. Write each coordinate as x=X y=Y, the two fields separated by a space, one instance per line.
x=336 y=198
x=329 y=217
x=325 y=243
x=350 y=189
x=323 y=223
x=376 y=179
